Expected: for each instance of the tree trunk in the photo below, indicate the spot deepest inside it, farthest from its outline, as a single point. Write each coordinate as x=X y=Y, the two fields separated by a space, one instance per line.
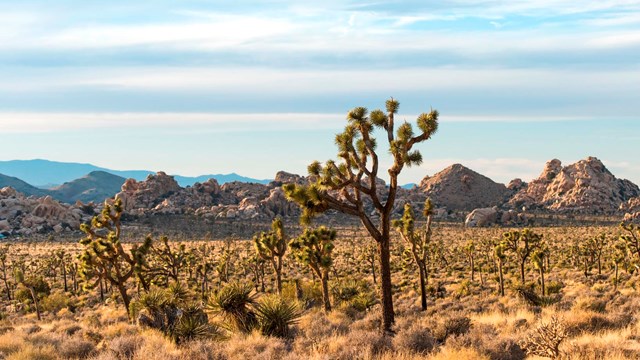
x=278 y=268
x=599 y=266
x=373 y=271
x=542 y=281
x=35 y=302
x=125 y=298
x=64 y=277
x=388 y=316
x=423 y=286
x=501 y=278
x=522 y=272
x=615 y=279
x=101 y=290
x=473 y=270
x=325 y=291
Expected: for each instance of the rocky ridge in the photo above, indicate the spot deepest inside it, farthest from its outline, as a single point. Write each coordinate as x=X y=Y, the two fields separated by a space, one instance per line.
x=584 y=187
x=22 y=215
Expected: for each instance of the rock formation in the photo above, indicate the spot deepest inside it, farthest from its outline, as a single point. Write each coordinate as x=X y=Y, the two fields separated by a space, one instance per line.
x=631 y=210
x=459 y=188
x=147 y=194
x=22 y=215
x=584 y=187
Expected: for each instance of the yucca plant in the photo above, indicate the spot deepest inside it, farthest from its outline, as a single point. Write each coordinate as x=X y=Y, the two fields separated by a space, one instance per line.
x=234 y=303
x=276 y=315
x=194 y=324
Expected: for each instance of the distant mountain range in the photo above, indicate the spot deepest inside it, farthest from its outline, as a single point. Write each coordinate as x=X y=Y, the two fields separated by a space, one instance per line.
x=49 y=174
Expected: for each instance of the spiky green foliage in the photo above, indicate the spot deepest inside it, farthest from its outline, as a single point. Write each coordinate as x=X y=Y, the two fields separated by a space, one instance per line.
x=276 y=315
x=170 y=311
x=419 y=242
x=632 y=238
x=272 y=246
x=234 y=303
x=521 y=244
x=539 y=260
x=343 y=185
x=103 y=257
x=314 y=249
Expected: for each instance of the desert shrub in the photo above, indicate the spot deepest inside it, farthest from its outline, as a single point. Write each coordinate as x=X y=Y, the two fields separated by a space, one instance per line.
x=554 y=287
x=464 y=289
x=545 y=339
x=10 y=343
x=591 y=304
x=458 y=354
x=31 y=352
x=451 y=326
x=588 y=321
x=55 y=302
x=256 y=346
x=364 y=301
x=32 y=329
x=485 y=339
x=276 y=315
x=203 y=350
x=76 y=348
x=6 y=329
x=415 y=339
x=124 y=347
x=528 y=295
x=156 y=346
x=357 y=344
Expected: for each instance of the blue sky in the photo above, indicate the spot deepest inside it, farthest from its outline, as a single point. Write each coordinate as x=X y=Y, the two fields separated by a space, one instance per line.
x=253 y=87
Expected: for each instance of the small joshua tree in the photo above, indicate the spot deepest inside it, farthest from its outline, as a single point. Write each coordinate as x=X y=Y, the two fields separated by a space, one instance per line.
x=103 y=256
x=470 y=251
x=313 y=248
x=631 y=238
x=272 y=246
x=501 y=256
x=521 y=244
x=344 y=185
x=619 y=252
x=419 y=243
x=539 y=259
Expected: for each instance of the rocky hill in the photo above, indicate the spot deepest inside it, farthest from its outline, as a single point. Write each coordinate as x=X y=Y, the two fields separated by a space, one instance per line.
x=460 y=188
x=22 y=215
x=94 y=187
x=20 y=186
x=584 y=187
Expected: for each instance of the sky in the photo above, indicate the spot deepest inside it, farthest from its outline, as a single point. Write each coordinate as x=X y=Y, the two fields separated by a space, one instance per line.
x=253 y=87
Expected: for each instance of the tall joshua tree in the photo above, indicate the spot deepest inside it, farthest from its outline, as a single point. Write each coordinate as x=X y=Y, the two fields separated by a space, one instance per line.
x=272 y=246
x=313 y=248
x=351 y=182
x=103 y=256
x=419 y=242
x=522 y=244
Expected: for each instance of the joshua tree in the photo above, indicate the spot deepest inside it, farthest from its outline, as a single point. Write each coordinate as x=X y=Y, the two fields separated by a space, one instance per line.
x=419 y=242
x=313 y=248
x=470 y=251
x=104 y=257
x=539 y=258
x=35 y=286
x=344 y=185
x=632 y=238
x=522 y=244
x=501 y=256
x=5 y=266
x=272 y=246
x=618 y=255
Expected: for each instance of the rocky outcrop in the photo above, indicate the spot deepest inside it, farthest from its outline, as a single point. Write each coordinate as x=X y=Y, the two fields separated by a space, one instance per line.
x=459 y=188
x=22 y=215
x=147 y=194
x=631 y=210
x=584 y=187
x=494 y=216
x=283 y=177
